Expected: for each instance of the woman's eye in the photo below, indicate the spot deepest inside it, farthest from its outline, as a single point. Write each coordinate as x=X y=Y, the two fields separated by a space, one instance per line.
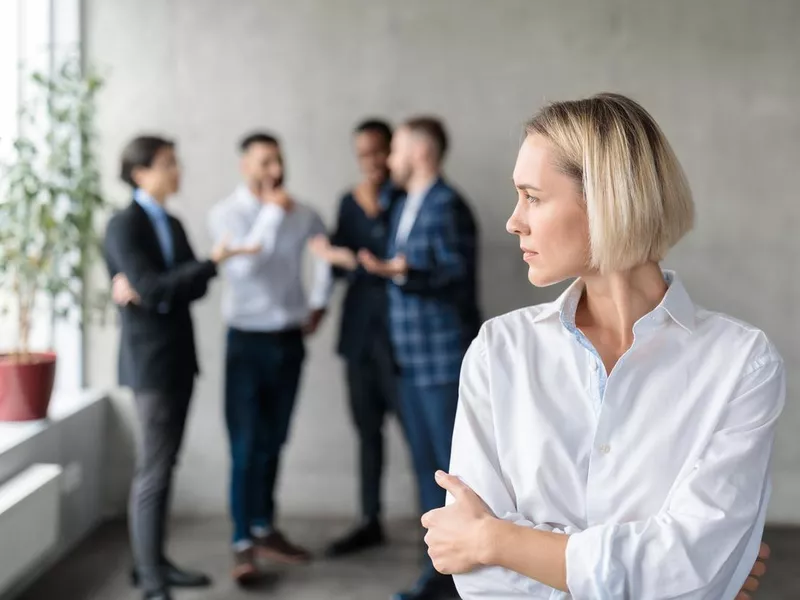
x=532 y=199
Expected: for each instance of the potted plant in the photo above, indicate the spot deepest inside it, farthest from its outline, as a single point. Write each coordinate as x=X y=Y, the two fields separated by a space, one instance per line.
x=50 y=202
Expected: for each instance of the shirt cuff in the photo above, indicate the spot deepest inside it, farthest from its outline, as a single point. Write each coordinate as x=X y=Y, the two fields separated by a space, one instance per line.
x=400 y=280
x=585 y=572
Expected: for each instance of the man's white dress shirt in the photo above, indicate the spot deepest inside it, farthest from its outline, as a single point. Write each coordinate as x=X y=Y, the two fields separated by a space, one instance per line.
x=264 y=292
x=658 y=471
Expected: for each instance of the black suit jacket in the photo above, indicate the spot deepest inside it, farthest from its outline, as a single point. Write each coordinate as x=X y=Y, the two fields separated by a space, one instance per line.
x=157 y=349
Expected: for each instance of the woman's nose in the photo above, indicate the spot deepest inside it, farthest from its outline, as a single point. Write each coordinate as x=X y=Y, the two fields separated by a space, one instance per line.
x=515 y=224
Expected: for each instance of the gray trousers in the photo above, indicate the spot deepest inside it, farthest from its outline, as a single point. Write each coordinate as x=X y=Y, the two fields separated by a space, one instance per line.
x=162 y=416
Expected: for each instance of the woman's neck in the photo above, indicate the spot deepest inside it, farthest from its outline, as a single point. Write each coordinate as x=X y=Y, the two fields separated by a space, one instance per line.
x=612 y=303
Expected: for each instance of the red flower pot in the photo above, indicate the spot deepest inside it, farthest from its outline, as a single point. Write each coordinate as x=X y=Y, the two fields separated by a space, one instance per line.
x=26 y=385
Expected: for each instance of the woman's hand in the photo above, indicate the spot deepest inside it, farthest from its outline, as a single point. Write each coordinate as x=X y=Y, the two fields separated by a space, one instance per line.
x=456 y=537
x=759 y=568
x=460 y=536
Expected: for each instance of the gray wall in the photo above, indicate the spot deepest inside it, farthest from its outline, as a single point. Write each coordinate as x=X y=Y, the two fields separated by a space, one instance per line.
x=721 y=76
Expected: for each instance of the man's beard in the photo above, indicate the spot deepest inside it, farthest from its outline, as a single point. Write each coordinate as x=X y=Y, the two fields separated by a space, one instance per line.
x=401 y=179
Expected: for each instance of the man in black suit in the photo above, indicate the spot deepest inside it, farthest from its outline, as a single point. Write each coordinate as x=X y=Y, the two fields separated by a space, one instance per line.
x=156 y=277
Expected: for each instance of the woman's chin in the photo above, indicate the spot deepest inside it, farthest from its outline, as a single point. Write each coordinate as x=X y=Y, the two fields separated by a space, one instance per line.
x=543 y=278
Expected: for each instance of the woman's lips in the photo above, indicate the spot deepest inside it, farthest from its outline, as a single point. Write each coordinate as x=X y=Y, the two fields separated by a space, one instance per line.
x=528 y=254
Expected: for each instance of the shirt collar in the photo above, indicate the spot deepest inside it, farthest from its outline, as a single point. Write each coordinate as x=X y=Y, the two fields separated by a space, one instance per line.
x=419 y=196
x=676 y=304
x=423 y=193
x=148 y=203
x=246 y=195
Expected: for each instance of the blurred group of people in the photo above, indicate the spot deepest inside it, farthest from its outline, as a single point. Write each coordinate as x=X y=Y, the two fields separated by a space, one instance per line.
x=405 y=244
x=613 y=443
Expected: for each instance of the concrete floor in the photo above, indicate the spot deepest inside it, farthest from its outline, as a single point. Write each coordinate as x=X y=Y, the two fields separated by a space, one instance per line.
x=98 y=569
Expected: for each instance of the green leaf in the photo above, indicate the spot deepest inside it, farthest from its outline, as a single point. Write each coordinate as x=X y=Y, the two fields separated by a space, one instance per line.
x=50 y=192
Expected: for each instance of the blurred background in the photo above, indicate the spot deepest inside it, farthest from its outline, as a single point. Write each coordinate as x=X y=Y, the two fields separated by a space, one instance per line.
x=722 y=78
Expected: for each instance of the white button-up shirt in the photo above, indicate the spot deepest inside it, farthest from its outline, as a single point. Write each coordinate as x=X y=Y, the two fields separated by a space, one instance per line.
x=658 y=472
x=264 y=292
x=408 y=217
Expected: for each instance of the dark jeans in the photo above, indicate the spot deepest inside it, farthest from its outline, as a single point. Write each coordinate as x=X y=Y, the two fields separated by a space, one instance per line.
x=372 y=384
x=261 y=379
x=162 y=416
x=429 y=415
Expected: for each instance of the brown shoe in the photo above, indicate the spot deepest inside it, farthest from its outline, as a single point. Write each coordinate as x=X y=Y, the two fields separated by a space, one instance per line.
x=244 y=566
x=277 y=548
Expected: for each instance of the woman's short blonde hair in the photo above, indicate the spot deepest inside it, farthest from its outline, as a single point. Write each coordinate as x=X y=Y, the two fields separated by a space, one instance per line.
x=637 y=197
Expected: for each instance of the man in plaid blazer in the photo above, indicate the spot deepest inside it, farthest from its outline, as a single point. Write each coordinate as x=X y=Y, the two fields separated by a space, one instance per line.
x=433 y=310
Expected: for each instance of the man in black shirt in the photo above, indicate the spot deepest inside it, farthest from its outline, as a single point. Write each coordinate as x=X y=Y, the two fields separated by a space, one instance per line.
x=364 y=339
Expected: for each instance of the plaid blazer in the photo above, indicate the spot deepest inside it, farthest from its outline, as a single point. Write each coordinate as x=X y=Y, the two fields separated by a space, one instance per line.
x=433 y=313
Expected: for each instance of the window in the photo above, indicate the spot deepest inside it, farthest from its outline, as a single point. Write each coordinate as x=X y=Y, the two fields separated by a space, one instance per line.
x=34 y=34
x=9 y=56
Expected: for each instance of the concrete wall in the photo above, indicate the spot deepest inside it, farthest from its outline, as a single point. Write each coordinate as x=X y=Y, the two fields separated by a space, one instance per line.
x=721 y=76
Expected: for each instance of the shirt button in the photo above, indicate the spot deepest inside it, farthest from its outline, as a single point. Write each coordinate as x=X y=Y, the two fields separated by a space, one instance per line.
x=605 y=448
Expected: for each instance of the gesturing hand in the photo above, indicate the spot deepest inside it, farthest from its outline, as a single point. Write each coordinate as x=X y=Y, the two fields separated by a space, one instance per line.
x=344 y=258
x=456 y=532
x=394 y=267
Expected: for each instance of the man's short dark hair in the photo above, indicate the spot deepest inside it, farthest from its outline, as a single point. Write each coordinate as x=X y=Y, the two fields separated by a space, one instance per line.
x=377 y=126
x=140 y=153
x=258 y=137
x=433 y=129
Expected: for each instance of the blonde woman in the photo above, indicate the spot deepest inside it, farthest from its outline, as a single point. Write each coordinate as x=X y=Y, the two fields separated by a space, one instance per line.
x=615 y=443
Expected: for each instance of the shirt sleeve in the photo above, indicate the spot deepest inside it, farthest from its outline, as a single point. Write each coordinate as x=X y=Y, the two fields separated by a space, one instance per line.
x=225 y=221
x=322 y=283
x=342 y=237
x=474 y=459
x=695 y=547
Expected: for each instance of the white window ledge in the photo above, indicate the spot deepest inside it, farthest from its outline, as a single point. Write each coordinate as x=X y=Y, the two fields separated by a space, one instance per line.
x=75 y=438
x=62 y=406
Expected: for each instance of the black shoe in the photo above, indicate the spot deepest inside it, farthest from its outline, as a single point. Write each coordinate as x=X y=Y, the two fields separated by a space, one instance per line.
x=162 y=594
x=368 y=535
x=435 y=587
x=175 y=577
